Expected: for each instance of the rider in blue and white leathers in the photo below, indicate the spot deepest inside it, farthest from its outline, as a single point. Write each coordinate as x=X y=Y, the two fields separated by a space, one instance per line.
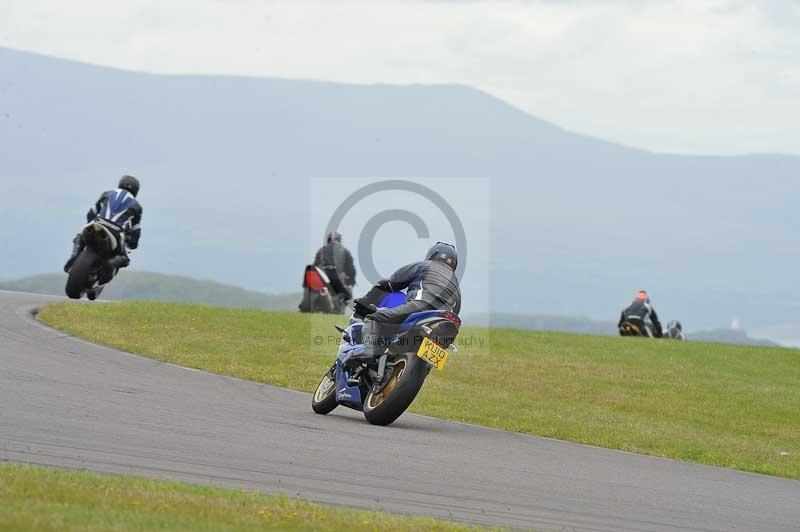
x=122 y=209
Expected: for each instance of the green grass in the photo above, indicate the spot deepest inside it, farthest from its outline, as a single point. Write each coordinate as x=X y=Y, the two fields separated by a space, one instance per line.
x=730 y=406
x=35 y=498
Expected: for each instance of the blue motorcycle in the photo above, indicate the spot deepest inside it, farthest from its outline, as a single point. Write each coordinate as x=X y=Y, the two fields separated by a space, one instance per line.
x=384 y=386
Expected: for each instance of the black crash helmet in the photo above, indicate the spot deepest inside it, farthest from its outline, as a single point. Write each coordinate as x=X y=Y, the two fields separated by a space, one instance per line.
x=443 y=252
x=129 y=183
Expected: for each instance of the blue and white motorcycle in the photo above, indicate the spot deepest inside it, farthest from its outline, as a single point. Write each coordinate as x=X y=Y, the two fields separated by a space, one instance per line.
x=384 y=386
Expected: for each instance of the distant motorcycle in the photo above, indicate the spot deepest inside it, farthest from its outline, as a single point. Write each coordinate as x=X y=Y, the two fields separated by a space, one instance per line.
x=319 y=294
x=94 y=267
x=675 y=331
x=384 y=387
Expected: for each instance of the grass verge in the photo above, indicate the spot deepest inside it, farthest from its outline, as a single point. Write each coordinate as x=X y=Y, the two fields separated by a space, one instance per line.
x=42 y=499
x=730 y=406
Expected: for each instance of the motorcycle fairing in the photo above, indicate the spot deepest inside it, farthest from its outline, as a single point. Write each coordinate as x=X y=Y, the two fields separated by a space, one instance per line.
x=347 y=395
x=414 y=319
x=395 y=299
x=392 y=299
x=315 y=279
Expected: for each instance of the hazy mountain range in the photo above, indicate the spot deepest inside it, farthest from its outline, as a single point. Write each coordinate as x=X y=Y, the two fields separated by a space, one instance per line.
x=575 y=226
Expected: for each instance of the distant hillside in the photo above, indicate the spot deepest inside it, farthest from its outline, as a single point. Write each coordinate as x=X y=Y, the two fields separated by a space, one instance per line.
x=730 y=336
x=160 y=287
x=788 y=334
x=576 y=224
x=580 y=325
x=544 y=322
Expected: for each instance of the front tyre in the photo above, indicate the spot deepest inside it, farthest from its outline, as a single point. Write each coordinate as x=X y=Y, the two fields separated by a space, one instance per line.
x=78 y=279
x=324 y=400
x=405 y=382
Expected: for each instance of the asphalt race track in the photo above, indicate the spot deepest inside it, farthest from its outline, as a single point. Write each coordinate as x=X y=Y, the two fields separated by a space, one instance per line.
x=66 y=402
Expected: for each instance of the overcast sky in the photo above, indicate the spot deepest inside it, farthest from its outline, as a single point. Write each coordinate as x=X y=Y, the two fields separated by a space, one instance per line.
x=716 y=76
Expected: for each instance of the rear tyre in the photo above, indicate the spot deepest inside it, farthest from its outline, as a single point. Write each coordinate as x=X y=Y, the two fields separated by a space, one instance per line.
x=324 y=400
x=408 y=375
x=322 y=303
x=79 y=273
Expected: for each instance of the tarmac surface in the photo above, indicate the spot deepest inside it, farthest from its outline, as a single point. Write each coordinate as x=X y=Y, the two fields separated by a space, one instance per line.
x=68 y=403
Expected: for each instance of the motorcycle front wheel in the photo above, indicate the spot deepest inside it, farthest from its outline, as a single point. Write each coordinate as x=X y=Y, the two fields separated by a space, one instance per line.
x=324 y=400
x=79 y=273
x=384 y=406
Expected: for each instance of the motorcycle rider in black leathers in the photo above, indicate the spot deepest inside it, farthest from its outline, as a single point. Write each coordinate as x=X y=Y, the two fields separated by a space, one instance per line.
x=640 y=318
x=431 y=284
x=337 y=263
x=121 y=208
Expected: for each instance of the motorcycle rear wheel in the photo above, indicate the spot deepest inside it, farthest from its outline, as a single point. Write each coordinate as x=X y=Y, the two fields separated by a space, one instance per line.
x=322 y=303
x=324 y=400
x=405 y=382
x=79 y=273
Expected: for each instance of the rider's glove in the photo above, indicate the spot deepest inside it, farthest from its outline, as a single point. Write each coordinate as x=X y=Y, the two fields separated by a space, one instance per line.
x=363 y=308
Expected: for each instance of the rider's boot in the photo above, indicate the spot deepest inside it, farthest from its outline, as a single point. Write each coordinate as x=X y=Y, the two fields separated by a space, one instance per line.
x=370 y=337
x=77 y=246
x=94 y=293
x=120 y=261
